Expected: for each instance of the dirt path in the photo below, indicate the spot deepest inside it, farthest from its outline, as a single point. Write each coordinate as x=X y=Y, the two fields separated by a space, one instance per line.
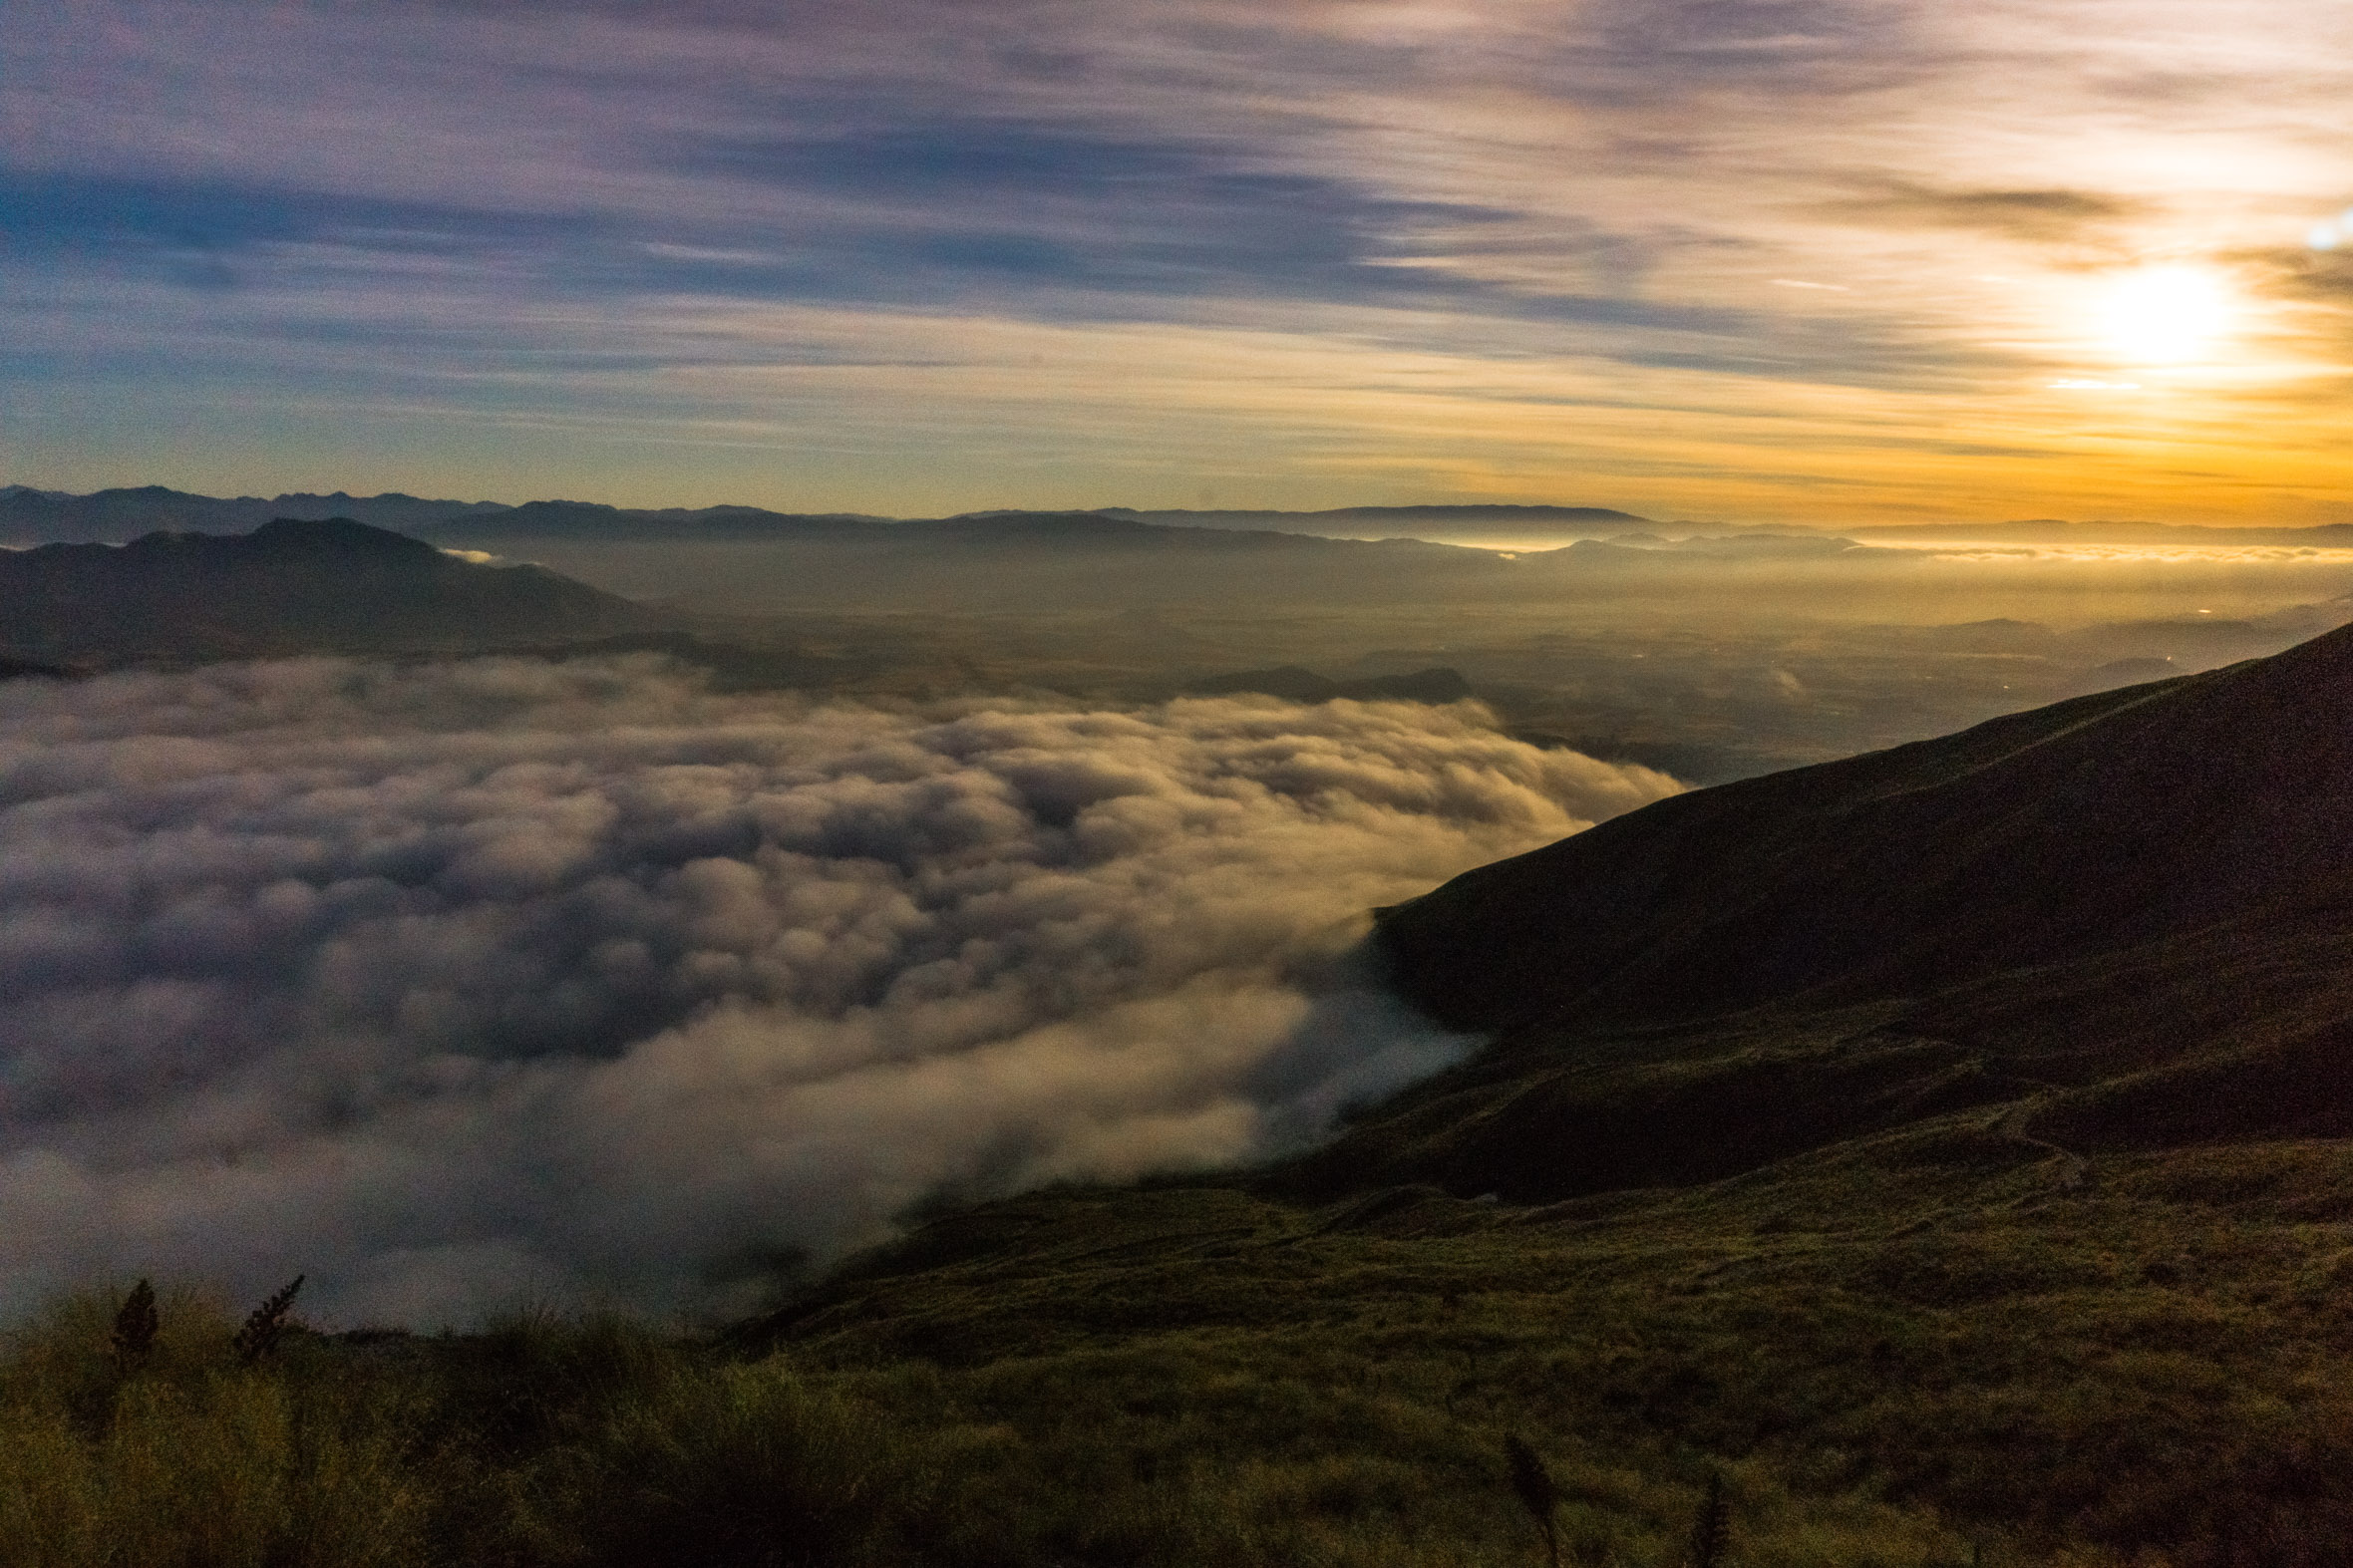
x=2075 y=1171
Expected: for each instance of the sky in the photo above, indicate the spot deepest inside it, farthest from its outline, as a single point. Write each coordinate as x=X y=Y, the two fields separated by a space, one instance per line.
x=1791 y=261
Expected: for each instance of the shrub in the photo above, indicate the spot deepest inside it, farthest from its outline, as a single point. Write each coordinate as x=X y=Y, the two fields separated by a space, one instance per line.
x=736 y=1467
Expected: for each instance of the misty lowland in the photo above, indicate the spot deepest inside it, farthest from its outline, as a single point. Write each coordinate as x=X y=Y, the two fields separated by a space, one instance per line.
x=558 y=1035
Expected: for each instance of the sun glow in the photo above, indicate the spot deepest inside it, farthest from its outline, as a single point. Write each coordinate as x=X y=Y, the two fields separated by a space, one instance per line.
x=2166 y=315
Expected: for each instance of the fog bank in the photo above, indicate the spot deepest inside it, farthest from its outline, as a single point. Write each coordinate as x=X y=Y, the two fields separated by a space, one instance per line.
x=463 y=984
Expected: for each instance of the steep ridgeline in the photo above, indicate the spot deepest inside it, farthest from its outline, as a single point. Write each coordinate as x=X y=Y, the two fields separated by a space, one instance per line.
x=2131 y=913
x=289 y=586
x=34 y=516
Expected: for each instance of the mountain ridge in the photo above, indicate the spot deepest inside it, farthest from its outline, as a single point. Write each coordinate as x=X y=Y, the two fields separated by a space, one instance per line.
x=31 y=515
x=291 y=585
x=1945 y=797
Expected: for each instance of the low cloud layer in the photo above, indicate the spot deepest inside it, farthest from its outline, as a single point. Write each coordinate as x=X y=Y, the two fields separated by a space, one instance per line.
x=469 y=982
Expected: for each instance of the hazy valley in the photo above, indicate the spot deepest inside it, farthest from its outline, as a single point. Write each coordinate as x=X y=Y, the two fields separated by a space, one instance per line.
x=1713 y=654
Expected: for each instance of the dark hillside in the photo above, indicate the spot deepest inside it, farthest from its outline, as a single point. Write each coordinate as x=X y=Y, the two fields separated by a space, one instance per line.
x=289 y=586
x=2127 y=918
x=2088 y=827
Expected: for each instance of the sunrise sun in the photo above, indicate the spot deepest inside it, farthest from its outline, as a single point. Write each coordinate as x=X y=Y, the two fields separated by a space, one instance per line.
x=2165 y=315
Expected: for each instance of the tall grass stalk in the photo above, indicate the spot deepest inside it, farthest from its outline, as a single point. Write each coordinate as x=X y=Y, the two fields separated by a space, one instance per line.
x=1534 y=1486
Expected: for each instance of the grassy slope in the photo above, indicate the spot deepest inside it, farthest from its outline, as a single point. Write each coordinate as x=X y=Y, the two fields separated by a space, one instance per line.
x=1900 y=1351
x=1986 y=1334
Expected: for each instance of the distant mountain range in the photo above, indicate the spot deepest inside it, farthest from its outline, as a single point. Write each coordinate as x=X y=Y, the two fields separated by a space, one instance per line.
x=36 y=516
x=117 y=517
x=752 y=561
x=289 y=586
x=1444 y=524
x=2130 y=916
x=335 y=585
x=1536 y=527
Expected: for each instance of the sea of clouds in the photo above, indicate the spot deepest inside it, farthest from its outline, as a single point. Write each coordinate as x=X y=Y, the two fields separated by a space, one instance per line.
x=460 y=985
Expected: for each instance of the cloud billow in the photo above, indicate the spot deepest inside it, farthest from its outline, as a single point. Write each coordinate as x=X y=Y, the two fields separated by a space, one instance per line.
x=463 y=983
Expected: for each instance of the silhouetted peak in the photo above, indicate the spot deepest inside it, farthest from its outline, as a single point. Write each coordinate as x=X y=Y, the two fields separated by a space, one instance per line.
x=336 y=533
x=291 y=585
x=564 y=507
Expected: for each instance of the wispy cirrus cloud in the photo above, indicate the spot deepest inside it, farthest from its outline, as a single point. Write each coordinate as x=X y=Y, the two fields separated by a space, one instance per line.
x=2029 y=216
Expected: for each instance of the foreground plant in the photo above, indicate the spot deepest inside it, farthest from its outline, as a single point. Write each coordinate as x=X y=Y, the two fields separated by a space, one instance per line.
x=136 y=1325
x=1710 y=1532
x=1537 y=1493
x=265 y=1325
